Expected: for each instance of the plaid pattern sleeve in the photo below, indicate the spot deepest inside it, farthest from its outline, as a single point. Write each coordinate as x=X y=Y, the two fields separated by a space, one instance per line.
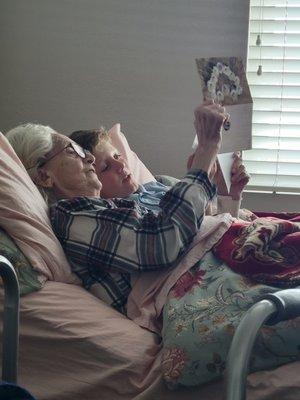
x=107 y=240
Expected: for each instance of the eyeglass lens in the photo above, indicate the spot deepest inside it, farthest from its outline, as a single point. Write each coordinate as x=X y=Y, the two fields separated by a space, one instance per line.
x=79 y=150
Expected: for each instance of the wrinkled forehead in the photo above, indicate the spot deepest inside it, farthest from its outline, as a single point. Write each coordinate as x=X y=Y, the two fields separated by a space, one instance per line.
x=59 y=141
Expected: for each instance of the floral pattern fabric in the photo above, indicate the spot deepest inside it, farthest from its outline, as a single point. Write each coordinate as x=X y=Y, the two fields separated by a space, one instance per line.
x=29 y=280
x=266 y=250
x=200 y=317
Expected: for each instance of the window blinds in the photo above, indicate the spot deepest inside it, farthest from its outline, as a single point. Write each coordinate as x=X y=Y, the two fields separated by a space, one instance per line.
x=274 y=44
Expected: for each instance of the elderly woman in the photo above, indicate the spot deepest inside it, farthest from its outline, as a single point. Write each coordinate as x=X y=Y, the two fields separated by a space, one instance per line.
x=108 y=240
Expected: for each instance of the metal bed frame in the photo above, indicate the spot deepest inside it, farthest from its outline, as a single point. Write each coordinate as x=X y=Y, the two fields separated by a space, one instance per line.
x=10 y=343
x=276 y=307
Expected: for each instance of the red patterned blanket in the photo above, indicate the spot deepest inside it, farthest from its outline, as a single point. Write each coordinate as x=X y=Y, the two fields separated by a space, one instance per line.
x=266 y=249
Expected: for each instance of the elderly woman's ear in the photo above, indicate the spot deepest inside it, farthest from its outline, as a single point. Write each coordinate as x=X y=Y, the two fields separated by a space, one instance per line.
x=43 y=179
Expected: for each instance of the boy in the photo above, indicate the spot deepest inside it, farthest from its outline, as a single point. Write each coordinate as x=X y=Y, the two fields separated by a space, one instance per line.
x=118 y=181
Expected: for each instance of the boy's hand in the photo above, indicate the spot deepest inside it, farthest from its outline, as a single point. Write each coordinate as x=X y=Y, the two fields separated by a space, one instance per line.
x=239 y=178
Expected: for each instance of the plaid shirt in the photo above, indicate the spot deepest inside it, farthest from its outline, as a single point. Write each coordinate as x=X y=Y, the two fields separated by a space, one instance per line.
x=108 y=240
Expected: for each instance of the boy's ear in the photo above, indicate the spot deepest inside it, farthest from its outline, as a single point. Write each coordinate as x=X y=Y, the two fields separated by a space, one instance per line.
x=44 y=179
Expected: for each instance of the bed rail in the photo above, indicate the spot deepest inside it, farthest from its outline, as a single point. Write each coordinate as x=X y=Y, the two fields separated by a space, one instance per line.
x=273 y=308
x=10 y=342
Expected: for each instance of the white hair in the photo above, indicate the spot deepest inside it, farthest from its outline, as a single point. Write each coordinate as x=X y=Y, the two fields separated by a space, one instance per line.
x=31 y=142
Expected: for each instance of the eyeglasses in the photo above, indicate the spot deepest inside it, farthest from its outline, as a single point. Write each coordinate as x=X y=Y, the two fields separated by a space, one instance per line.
x=76 y=149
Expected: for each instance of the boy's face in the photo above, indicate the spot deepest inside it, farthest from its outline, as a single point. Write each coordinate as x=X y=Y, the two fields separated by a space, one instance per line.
x=113 y=173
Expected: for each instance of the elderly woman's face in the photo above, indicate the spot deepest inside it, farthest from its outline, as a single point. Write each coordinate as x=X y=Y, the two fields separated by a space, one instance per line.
x=68 y=174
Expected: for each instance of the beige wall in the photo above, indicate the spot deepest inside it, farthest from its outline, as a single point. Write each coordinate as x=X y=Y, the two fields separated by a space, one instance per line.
x=78 y=63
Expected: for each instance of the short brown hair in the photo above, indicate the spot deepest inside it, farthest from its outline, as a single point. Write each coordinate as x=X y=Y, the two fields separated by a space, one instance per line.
x=90 y=138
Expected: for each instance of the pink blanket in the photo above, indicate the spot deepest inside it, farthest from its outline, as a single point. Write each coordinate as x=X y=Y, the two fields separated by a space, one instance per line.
x=150 y=290
x=24 y=216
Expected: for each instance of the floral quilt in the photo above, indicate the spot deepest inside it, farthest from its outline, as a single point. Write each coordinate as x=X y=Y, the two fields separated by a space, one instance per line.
x=200 y=317
x=267 y=249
